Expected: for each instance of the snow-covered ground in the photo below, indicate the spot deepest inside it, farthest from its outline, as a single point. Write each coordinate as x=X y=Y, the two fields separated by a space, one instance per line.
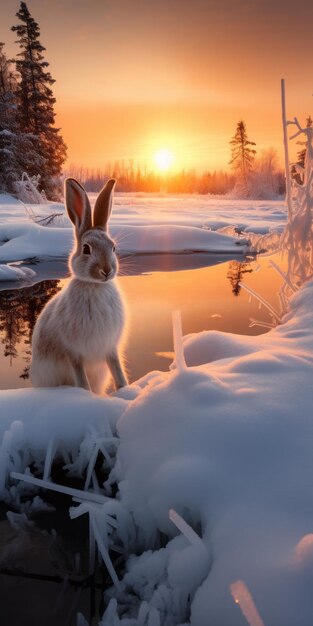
x=141 y=225
x=10 y=272
x=24 y=241
x=212 y=460
x=212 y=211
x=187 y=210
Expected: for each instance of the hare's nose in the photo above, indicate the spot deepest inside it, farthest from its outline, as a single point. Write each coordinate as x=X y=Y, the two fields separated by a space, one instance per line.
x=103 y=274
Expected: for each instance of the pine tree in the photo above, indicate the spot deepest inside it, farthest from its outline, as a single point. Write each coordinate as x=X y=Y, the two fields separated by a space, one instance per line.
x=35 y=102
x=16 y=149
x=242 y=156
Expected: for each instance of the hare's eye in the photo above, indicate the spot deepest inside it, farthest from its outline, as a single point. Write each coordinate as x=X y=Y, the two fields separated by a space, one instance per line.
x=114 y=248
x=86 y=248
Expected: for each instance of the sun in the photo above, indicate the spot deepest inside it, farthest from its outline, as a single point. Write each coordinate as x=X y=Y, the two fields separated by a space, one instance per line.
x=163 y=159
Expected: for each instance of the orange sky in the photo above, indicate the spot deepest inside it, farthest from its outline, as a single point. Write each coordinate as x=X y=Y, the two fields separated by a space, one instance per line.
x=134 y=76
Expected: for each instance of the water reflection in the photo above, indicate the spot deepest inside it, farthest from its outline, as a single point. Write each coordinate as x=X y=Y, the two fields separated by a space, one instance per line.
x=203 y=295
x=135 y=264
x=19 y=309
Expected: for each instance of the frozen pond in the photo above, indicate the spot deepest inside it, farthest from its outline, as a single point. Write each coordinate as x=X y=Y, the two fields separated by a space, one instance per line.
x=209 y=298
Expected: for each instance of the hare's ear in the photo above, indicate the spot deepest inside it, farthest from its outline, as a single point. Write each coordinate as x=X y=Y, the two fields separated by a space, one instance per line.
x=78 y=206
x=103 y=206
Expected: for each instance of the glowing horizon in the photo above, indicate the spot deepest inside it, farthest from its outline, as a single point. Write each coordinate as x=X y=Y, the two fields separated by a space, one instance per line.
x=131 y=78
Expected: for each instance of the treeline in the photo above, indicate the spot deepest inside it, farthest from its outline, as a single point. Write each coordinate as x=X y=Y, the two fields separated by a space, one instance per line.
x=132 y=178
x=266 y=180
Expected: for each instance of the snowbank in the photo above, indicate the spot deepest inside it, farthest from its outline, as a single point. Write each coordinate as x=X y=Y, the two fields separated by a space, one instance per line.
x=12 y=273
x=228 y=445
x=23 y=241
x=31 y=418
x=173 y=239
x=196 y=210
x=141 y=223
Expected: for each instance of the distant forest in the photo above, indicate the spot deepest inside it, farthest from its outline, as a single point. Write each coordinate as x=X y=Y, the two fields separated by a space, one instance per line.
x=131 y=177
x=267 y=180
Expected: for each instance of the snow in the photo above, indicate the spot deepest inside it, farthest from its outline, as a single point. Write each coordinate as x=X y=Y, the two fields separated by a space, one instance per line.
x=172 y=239
x=24 y=241
x=137 y=209
x=11 y=272
x=229 y=445
x=142 y=225
x=12 y=209
x=212 y=211
x=31 y=418
x=61 y=413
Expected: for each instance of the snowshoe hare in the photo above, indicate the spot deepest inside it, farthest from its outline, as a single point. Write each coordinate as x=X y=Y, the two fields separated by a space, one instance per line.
x=78 y=333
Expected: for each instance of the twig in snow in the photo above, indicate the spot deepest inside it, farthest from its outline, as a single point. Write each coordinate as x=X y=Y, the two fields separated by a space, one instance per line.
x=48 y=219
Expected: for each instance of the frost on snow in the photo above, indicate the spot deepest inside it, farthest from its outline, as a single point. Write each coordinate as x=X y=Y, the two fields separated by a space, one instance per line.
x=27 y=190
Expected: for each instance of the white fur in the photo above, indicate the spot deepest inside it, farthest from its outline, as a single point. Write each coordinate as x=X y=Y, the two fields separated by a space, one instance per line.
x=80 y=329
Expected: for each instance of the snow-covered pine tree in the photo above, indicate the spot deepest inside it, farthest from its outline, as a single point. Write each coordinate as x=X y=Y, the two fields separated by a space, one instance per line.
x=17 y=149
x=242 y=158
x=35 y=102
